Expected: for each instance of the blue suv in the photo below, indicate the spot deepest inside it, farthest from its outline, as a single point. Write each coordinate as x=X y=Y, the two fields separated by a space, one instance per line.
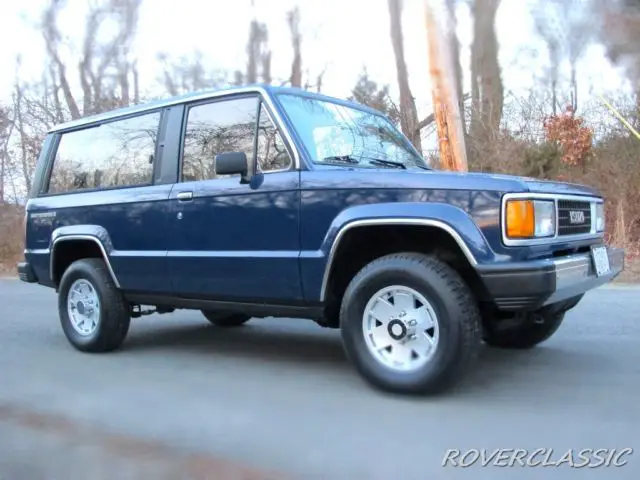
x=275 y=202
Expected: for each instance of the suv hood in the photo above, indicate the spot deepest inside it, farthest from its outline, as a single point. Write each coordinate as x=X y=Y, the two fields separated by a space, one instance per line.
x=441 y=179
x=550 y=186
x=513 y=183
x=537 y=185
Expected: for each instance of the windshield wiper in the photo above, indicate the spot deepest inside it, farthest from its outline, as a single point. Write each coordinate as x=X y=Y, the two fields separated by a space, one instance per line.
x=387 y=163
x=423 y=167
x=350 y=159
x=341 y=159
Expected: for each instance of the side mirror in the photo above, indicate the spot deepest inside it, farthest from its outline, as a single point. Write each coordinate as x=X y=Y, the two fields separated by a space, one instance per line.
x=231 y=163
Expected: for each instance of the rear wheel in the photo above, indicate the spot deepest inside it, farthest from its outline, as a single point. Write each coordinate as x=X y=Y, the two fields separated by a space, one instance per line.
x=529 y=330
x=410 y=324
x=225 y=319
x=93 y=313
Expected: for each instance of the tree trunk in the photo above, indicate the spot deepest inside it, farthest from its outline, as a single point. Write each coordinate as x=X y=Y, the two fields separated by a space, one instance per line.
x=446 y=103
x=293 y=19
x=454 y=49
x=136 y=84
x=3 y=162
x=408 y=111
x=23 y=138
x=252 y=52
x=266 y=68
x=574 y=87
x=487 y=88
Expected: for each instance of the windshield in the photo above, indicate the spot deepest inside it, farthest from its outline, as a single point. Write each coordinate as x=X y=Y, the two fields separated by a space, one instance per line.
x=337 y=135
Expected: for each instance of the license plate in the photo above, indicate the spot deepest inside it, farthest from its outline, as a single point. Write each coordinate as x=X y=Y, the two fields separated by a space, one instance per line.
x=600 y=260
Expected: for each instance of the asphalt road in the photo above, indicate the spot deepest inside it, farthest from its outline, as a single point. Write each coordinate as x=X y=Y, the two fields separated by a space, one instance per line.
x=277 y=399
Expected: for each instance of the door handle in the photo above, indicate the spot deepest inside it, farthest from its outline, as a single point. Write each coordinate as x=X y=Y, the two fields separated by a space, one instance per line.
x=184 y=196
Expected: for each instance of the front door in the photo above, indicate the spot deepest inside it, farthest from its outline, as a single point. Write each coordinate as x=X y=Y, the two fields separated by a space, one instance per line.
x=232 y=240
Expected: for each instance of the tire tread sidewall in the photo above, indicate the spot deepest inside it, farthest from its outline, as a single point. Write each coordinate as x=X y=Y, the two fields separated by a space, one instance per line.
x=458 y=321
x=114 y=319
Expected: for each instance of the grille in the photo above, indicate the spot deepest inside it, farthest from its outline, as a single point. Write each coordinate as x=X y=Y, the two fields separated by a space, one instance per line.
x=574 y=217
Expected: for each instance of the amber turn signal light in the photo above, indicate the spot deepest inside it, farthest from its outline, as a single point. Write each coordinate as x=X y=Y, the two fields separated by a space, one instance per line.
x=520 y=220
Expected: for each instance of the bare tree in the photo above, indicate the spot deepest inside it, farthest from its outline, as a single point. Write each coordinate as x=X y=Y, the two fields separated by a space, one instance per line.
x=454 y=48
x=32 y=118
x=314 y=83
x=368 y=92
x=107 y=72
x=188 y=73
x=408 y=110
x=103 y=75
x=53 y=39
x=6 y=129
x=23 y=135
x=258 y=53
x=266 y=67
x=293 y=19
x=487 y=90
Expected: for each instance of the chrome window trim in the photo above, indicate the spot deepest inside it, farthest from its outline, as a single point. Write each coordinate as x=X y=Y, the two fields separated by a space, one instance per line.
x=115 y=114
x=510 y=242
x=280 y=128
x=425 y=222
x=82 y=237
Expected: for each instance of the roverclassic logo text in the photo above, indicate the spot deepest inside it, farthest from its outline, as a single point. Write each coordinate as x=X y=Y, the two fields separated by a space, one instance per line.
x=540 y=457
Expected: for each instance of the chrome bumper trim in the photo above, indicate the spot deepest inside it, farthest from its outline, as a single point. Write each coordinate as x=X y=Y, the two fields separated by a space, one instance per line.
x=576 y=274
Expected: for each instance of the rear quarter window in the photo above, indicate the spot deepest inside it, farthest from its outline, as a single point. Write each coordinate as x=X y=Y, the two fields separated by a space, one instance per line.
x=114 y=154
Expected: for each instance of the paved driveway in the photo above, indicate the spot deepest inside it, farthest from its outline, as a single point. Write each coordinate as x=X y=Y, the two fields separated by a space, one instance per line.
x=277 y=398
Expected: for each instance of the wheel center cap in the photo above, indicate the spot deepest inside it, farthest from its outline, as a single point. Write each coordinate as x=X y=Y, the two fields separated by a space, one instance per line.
x=80 y=308
x=397 y=329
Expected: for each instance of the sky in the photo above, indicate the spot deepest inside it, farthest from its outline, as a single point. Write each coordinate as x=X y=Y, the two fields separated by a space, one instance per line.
x=341 y=36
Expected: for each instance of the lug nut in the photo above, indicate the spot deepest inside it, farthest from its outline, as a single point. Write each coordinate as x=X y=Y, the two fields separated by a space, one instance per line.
x=413 y=323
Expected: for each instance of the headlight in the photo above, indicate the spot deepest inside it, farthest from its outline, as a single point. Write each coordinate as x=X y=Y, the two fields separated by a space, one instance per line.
x=530 y=219
x=600 y=217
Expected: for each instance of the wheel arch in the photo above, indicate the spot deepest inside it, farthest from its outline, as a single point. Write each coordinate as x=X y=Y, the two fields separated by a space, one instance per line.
x=398 y=221
x=67 y=248
x=362 y=241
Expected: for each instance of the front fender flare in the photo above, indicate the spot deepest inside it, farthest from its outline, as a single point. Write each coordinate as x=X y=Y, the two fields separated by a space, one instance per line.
x=453 y=220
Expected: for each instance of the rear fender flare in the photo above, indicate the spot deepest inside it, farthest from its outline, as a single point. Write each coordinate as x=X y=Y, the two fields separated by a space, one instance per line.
x=92 y=233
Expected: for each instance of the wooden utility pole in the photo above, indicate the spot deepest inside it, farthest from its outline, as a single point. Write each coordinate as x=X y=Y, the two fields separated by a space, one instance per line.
x=446 y=106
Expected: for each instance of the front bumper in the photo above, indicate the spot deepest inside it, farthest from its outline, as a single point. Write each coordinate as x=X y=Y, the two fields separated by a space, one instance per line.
x=532 y=285
x=26 y=273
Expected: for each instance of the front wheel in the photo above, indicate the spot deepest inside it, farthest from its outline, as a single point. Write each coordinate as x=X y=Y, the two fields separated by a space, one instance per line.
x=410 y=324
x=93 y=312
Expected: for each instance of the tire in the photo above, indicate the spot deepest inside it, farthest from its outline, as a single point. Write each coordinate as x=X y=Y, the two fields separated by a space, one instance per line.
x=533 y=330
x=113 y=315
x=225 y=320
x=458 y=324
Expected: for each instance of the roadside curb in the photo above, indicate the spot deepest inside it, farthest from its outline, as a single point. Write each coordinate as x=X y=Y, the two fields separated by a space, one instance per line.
x=620 y=286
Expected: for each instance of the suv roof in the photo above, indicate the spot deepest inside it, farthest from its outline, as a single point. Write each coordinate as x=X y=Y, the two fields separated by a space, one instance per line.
x=203 y=95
